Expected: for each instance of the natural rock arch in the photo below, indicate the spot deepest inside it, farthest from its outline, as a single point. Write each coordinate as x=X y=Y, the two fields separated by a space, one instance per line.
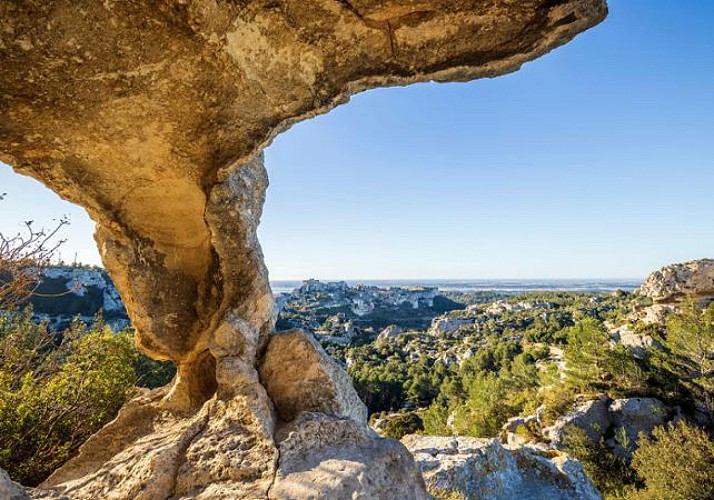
x=152 y=114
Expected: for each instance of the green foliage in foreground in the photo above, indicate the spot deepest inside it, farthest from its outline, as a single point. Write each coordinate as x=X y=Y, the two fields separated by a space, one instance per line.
x=56 y=390
x=610 y=474
x=677 y=463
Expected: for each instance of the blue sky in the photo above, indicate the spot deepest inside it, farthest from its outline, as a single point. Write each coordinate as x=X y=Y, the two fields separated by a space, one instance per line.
x=596 y=160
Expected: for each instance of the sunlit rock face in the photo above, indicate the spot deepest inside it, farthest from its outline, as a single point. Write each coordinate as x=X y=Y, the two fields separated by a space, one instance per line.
x=673 y=283
x=152 y=115
x=464 y=467
x=671 y=286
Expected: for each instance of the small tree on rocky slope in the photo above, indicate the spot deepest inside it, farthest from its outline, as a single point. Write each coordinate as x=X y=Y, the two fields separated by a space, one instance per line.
x=690 y=337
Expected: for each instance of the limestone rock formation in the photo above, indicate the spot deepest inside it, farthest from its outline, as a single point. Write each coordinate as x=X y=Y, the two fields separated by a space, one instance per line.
x=226 y=450
x=66 y=293
x=638 y=343
x=590 y=416
x=152 y=115
x=618 y=422
x=520 y=430
x=472 y=468
x=633 y=416
x=300 y=377
x=674 y=282
x=388 y=334
x=319 y=447
x=325 y=457
x=670 y=286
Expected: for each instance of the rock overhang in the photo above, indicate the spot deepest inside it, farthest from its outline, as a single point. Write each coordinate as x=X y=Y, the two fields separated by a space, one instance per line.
x=152 y=115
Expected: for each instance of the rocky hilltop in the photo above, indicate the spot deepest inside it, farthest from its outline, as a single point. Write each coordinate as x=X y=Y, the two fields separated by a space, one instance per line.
x=664 y=290
x=334 y=311
x=339 y=313
x=675 y=282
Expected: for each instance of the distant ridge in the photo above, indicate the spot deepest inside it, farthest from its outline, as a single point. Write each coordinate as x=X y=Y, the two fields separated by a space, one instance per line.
x=502 y=285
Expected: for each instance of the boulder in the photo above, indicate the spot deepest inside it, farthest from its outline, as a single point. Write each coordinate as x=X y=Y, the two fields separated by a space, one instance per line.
x=548 y=475
x=472 y=468
x=590 y=416
x=389 y=334
x=638 y=343
x=10 y=490
x=446 y=324
x=619 y=422
x=325 y=457
x=299 y=377
x=324 y=446
x=634 y=416
x=520 y=430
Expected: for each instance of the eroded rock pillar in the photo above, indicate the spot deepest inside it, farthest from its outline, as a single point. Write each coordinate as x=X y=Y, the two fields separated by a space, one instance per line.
x=214 y=303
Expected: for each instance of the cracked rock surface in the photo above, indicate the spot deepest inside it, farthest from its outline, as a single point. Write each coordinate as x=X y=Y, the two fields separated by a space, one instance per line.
x=152 y=115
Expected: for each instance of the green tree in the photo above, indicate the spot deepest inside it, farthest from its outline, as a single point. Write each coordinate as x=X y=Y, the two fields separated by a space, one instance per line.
x=586 y=355
x=398 y=426
x=690 y=337
x=436 y=419
x=677 y=463
x=610 y=474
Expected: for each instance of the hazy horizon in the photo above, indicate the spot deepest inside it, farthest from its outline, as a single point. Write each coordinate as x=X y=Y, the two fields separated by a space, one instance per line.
x=592 y=162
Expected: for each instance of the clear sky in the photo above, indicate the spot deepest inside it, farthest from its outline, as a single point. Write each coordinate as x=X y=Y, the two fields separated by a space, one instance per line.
x=596 y=160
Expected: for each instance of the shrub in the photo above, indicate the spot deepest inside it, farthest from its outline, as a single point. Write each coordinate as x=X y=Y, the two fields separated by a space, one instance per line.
x=57 y=389
x=398 y=426
x=690 y=337
x=436 y=419
x=677 y=463
x=610 y=474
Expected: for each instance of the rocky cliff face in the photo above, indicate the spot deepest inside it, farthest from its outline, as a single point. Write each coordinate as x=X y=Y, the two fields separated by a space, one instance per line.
x=668 y=287
x=152 y=115
x=674 y=282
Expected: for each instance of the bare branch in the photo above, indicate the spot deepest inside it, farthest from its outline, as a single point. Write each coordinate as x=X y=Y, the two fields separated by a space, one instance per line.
x=23 y=258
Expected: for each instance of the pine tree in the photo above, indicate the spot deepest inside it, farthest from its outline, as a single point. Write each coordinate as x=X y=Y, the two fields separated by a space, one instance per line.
x=690 y=338
x=586 y=355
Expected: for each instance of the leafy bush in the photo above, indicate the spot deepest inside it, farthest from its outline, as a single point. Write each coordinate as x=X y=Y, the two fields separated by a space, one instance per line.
x=57 y=389
x=611 y=475
x=398 y=426
x=677 y=463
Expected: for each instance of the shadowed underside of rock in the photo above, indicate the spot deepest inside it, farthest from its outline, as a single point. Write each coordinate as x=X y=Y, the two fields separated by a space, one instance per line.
x=152 y=115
